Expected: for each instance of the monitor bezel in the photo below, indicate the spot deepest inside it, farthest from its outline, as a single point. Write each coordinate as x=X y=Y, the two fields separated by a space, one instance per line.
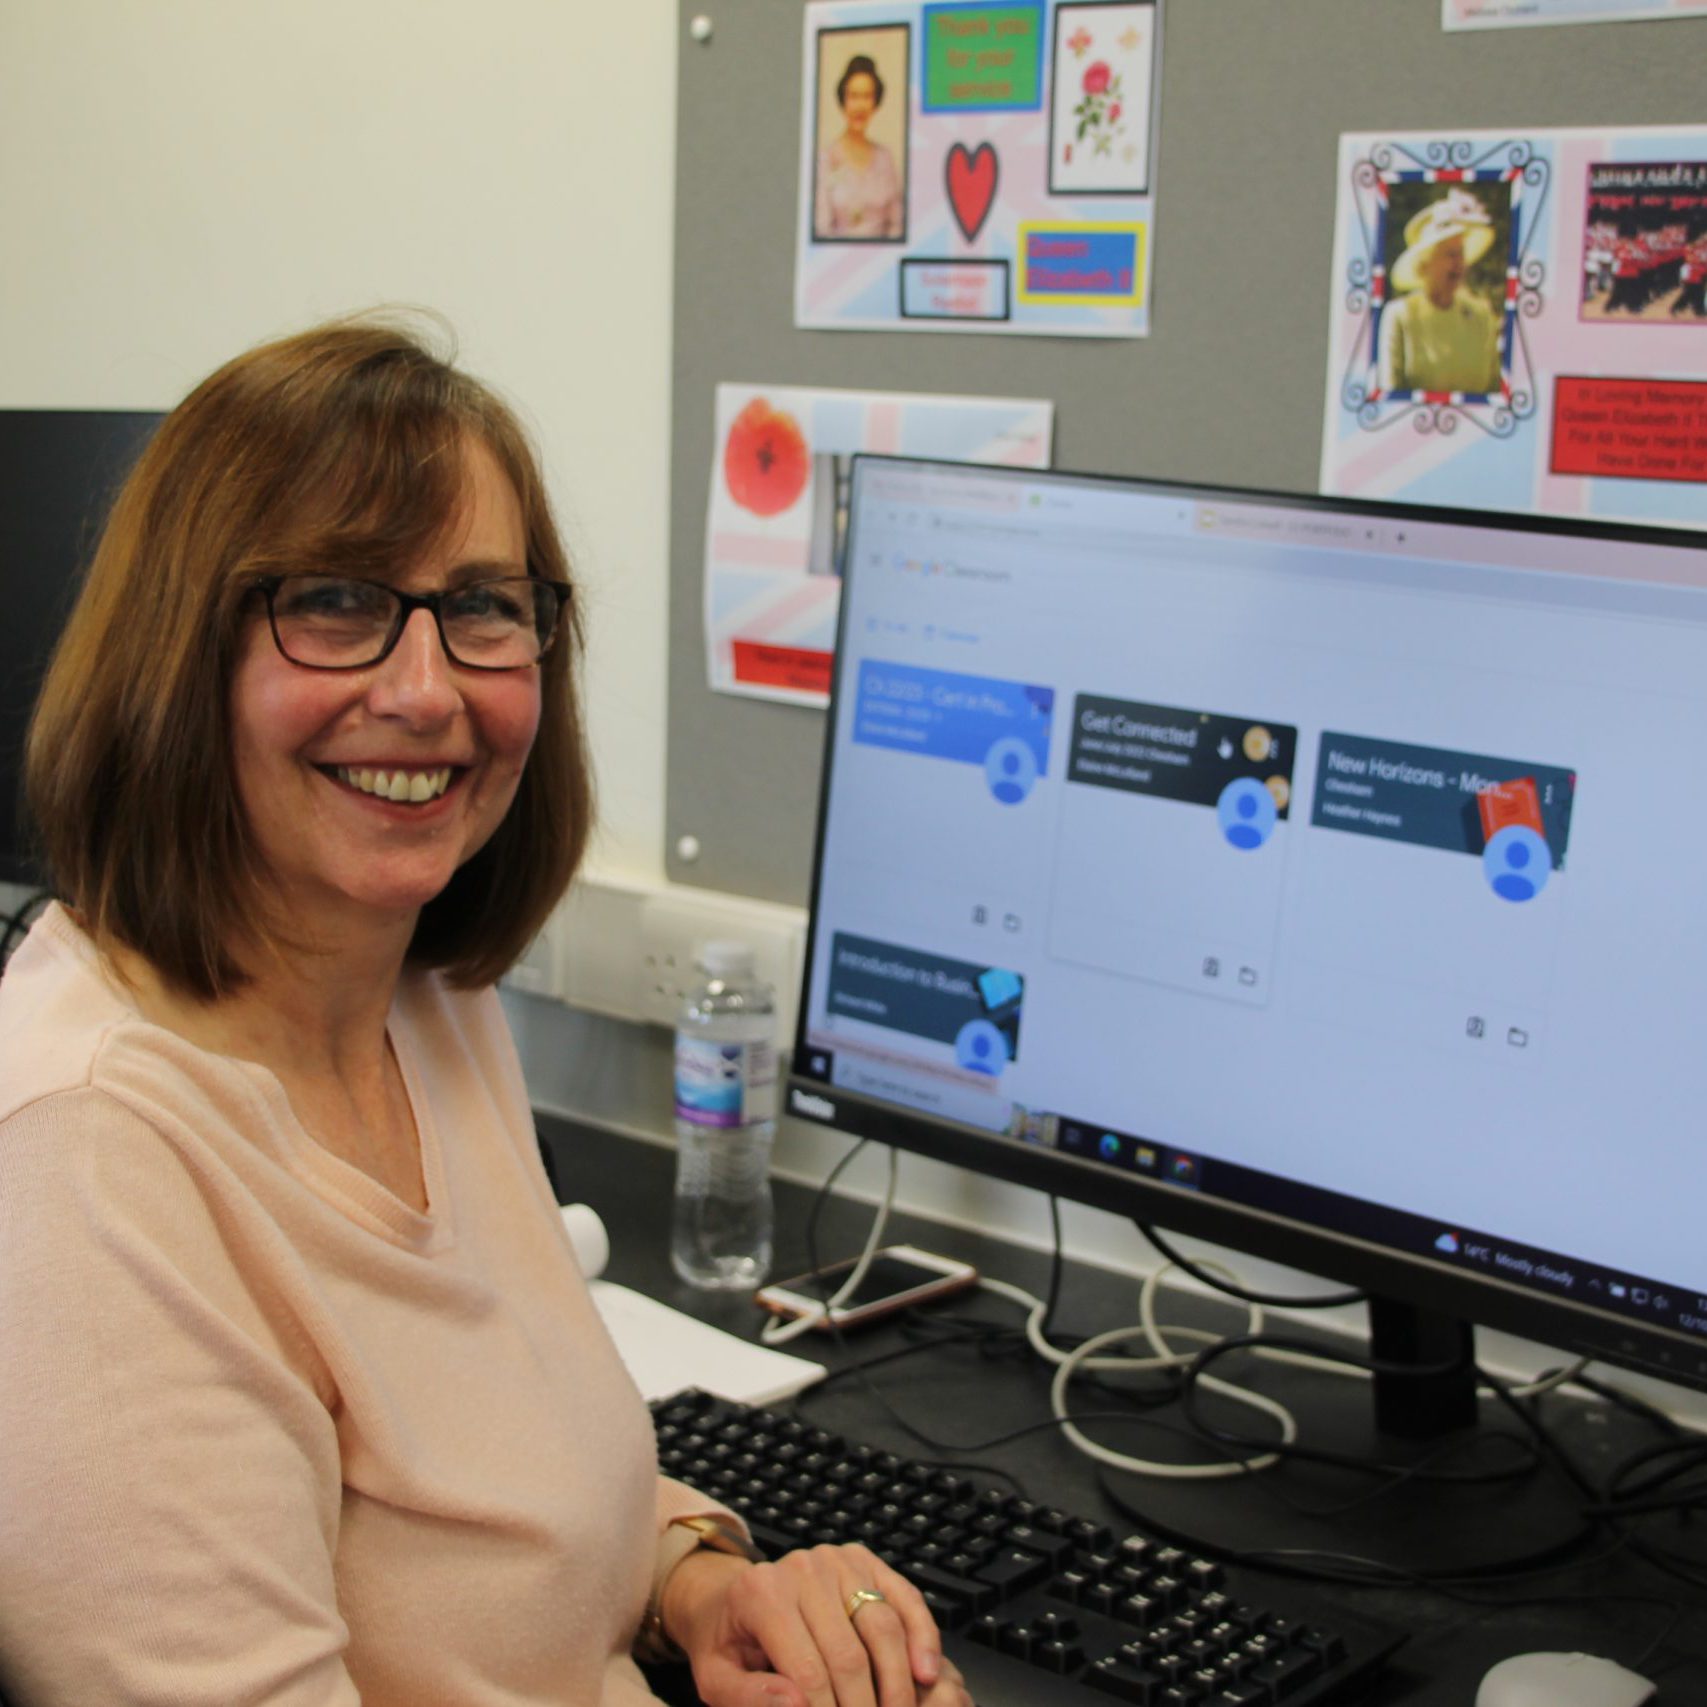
x=1582 y=1330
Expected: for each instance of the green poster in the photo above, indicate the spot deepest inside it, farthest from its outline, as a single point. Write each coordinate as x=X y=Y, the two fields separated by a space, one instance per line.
x=983 y=59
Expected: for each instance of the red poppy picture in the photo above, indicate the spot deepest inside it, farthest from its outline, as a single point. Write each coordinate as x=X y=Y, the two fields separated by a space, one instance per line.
x=765 y=459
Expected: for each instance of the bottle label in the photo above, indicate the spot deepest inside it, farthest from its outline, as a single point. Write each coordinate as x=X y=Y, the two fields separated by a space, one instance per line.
x=725 y=1084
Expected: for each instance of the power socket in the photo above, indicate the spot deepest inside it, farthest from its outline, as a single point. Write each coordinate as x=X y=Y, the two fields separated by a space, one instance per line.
x=676 y=921
x=627 y=948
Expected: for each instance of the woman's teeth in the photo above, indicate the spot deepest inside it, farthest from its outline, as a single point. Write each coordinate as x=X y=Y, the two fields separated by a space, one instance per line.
x=413 y=786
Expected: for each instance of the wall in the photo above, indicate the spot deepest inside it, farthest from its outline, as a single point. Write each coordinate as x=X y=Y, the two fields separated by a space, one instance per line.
x=184 y=178
x=1254 y=94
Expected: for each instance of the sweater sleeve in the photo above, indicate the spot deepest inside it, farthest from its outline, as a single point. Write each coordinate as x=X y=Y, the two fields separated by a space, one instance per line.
x=169 y=1472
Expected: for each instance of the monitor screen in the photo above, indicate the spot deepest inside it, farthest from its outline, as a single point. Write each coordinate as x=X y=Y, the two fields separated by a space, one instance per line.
x=59 y=471
x=1318 y=877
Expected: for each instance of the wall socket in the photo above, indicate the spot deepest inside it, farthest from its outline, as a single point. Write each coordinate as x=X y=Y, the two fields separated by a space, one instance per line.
x=626 y=948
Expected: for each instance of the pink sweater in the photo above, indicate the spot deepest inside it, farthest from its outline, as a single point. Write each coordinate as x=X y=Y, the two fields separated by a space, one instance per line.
x=266 y=1433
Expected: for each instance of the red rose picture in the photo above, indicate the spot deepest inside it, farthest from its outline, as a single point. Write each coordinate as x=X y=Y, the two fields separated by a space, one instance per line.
x=765 y=459
x=1099 y=110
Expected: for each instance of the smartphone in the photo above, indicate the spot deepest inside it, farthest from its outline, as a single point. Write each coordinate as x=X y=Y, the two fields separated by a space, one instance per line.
x=899 y=1277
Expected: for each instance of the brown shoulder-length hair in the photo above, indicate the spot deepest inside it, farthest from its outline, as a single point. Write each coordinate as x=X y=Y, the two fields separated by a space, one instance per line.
x=341 y=447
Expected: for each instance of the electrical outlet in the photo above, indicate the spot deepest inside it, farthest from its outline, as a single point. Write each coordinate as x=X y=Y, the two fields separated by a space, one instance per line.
x=628 y=948
x=676 y=921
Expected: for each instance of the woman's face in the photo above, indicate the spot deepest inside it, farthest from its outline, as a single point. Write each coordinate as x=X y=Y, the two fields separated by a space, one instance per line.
x=304 y=742
x=859 y=101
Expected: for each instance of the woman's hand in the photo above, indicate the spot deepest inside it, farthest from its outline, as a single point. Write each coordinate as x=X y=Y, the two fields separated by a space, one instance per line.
x=786 y=1635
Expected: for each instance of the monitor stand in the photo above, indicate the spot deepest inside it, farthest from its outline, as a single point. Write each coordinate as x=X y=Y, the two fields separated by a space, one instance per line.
x=1432 y=1391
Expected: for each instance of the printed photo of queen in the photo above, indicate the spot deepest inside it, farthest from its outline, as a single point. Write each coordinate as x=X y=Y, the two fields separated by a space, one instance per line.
x=1441 y=330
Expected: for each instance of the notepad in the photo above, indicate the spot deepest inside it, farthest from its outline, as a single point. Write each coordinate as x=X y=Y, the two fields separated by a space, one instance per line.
x=666 y=1351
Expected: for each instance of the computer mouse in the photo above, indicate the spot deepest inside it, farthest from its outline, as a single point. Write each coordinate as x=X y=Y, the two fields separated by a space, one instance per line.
x=1562 y=1680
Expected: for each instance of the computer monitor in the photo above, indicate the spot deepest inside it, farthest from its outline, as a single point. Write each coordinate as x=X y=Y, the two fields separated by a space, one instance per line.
x=1318 y=877
x=59 y=471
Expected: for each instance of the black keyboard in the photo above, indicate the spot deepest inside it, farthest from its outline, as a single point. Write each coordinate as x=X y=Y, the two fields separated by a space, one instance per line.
x=1038 y=1608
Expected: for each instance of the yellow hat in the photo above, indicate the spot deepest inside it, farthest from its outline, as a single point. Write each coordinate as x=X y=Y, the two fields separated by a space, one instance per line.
x=1455 y=214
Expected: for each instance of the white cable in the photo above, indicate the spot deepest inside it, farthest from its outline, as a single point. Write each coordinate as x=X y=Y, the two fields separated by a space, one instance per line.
x=1164 y=1356
x=780 y=1330
x=1070 y=1363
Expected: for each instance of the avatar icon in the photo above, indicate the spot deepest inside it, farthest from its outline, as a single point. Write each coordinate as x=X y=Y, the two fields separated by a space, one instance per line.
x=980 y=1047
x=1010 y=768
x=1246 y=813
x=1517 y=863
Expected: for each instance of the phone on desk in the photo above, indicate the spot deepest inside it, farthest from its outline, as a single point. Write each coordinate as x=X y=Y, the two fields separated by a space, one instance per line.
x=899 y=1277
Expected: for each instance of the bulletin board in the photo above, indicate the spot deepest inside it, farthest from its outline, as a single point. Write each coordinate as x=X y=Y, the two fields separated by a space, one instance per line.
x=1228 y=385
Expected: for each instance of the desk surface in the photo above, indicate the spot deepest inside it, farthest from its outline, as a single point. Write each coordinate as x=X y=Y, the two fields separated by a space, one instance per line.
x=1616 y=1606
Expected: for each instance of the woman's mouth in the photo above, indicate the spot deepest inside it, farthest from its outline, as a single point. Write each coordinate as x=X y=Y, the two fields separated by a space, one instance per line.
x=401 y=785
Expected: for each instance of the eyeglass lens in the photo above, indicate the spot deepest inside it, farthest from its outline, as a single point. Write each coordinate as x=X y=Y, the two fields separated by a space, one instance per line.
x=331 y=622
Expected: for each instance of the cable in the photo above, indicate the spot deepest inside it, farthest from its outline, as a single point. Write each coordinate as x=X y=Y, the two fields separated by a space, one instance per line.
x=1277 y=1300
x=779 y=1331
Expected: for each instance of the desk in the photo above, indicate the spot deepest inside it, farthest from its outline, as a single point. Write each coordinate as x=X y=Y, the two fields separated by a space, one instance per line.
x=957 y=1394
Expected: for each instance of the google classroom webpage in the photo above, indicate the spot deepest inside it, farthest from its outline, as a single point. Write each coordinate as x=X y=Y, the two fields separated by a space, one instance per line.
x=1162 y=831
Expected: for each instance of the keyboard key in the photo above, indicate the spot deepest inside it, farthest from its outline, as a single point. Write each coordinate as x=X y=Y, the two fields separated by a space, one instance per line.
x=1053 y=1547
x=1058 y=1656
x=974 y=1596
x=1011 y=1569
x=1124 y=1680
x=1287 y=1672
x=1096 y=1537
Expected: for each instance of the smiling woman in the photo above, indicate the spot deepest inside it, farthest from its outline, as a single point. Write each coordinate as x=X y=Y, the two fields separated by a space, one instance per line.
x=351 y=448
x=305 y=1398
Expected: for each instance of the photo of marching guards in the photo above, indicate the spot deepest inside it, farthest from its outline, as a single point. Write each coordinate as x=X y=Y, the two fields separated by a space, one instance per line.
x=1645 y=243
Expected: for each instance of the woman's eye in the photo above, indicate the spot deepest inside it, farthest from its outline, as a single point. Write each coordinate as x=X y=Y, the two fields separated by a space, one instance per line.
x=331 y=599
x=486 y=601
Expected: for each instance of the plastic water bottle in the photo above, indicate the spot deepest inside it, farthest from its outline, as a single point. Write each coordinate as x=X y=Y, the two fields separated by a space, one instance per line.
x=725 y=1122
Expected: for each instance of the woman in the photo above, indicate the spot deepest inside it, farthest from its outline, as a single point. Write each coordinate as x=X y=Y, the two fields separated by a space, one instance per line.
x=858 y=191
x=1438 y=334
x=305 y=1401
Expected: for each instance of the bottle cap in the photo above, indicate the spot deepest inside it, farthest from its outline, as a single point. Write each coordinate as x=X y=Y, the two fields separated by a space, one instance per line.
x=725 y=959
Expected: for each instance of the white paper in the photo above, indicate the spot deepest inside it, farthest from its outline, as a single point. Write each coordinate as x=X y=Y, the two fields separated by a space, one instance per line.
x=666 y=1351
x=1512 y=14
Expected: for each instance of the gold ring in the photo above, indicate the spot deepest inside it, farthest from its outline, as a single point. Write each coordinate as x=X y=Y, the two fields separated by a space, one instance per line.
x=862 y=1597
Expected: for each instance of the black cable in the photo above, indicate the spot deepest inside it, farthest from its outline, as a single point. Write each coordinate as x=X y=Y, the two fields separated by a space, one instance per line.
x=1691 y=1571
x=1247 y=1446
x=1279 y=1300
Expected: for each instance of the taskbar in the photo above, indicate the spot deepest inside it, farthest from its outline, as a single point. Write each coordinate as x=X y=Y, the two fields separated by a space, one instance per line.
x=1642 y=1299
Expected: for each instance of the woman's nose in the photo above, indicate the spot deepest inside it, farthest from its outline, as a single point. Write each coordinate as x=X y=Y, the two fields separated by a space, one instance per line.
x=417 y=678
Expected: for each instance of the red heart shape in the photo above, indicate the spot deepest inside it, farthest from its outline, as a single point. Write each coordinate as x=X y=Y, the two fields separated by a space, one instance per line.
x=971 y=186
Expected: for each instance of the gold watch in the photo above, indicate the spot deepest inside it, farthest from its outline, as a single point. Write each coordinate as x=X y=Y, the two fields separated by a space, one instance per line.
x=717 y=1534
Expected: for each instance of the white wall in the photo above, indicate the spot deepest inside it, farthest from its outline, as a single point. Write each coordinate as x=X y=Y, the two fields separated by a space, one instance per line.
x=182 y=178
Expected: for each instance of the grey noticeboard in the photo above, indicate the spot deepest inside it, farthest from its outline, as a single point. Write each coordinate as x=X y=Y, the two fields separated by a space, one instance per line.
x=1228 y=387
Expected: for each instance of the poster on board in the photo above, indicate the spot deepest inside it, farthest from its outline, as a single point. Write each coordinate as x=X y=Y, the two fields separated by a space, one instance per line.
x=1519 y=322
x=1511 y=14
x=978 y=166
x=776 y=521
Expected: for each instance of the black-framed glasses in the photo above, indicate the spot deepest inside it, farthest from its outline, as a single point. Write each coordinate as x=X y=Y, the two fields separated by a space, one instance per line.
x=337 y=622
